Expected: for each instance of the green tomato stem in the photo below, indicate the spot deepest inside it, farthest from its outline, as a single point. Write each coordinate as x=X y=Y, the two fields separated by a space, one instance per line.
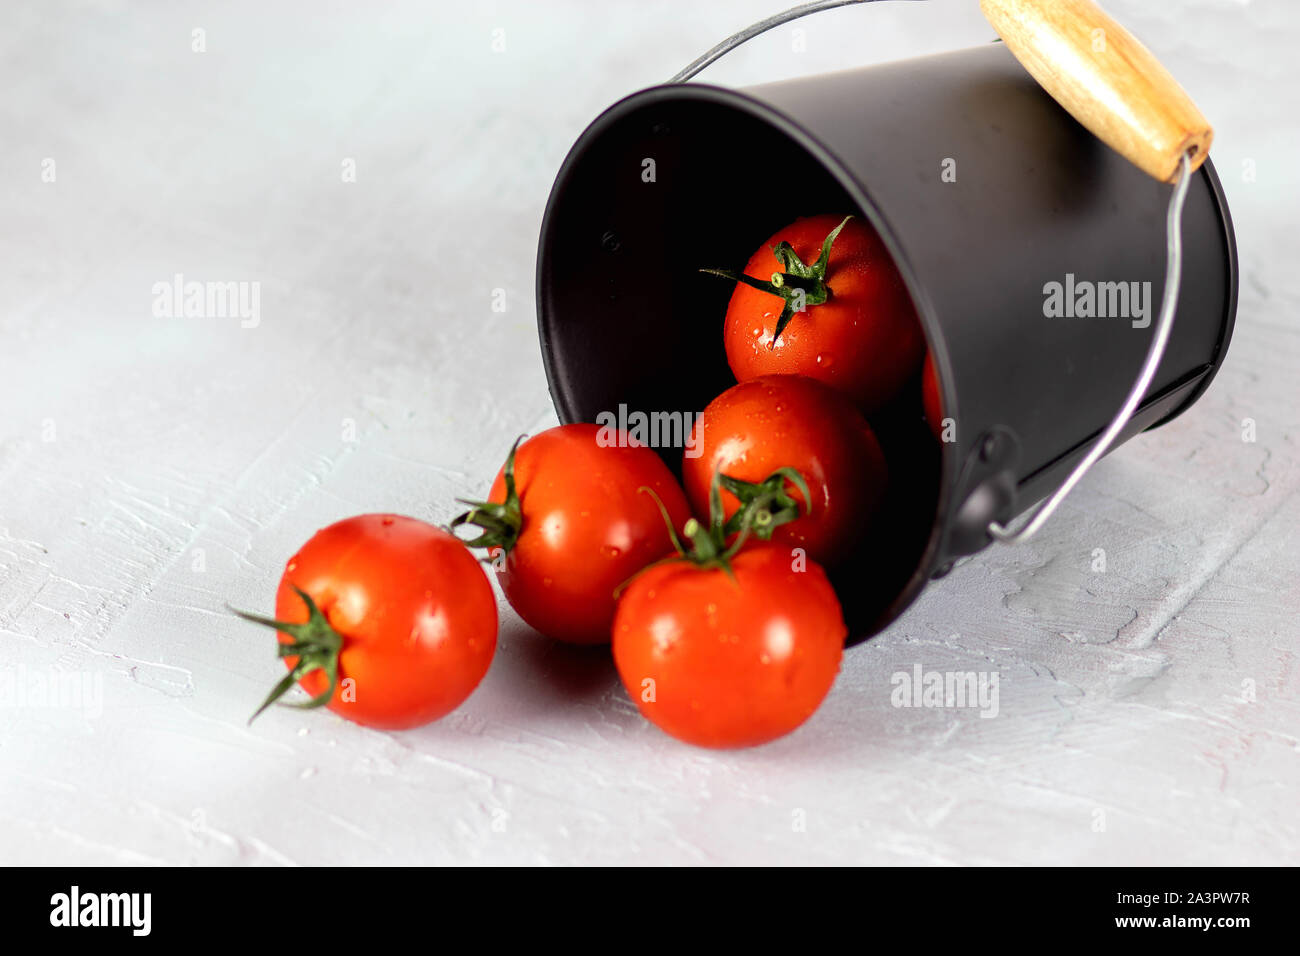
x=764 y=506
x=800 y=286
x=316 y=645
x=500 y=522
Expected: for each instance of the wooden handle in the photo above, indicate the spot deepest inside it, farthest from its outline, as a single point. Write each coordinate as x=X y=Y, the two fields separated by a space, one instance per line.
x=1106 y=79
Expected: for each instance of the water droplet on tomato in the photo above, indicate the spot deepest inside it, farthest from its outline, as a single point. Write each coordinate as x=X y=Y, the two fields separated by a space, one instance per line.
x=825 y=361
x=610 y=551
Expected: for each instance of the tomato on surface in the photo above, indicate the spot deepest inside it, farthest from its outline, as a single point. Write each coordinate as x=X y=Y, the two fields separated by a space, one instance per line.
x=858 y=332
x=388 y=621
x=930 y=397
x=580 y=526
x=790 y=421
x=729 y=660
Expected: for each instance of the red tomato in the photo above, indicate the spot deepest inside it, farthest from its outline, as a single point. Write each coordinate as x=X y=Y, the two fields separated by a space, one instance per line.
x=864 y=339
x=756 y=427
x=400 y=608
x=729 y=661
x=930 y=397
x=585 y=527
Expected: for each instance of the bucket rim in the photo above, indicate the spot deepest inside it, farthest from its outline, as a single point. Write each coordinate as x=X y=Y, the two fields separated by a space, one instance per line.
x=859 y=194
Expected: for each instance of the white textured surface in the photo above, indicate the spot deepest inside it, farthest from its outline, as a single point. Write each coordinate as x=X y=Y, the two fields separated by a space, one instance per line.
x=191 y=456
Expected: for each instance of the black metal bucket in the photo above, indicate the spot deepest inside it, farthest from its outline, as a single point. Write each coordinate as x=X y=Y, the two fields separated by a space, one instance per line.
x=626 y=319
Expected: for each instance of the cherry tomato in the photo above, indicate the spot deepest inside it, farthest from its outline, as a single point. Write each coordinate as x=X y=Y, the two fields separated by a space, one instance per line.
x=930 y=397
x=581 y=526
x=861 y=336
x=400 y=611
x=729 y=660
x=790 y=421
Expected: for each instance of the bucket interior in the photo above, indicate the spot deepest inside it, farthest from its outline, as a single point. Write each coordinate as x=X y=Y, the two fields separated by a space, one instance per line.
x=662 y=185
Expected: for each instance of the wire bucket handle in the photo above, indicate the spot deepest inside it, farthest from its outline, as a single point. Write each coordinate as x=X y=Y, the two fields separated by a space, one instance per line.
x=1116 y=88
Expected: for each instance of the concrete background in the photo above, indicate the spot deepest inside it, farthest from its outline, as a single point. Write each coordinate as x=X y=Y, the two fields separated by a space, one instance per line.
x=152 y=468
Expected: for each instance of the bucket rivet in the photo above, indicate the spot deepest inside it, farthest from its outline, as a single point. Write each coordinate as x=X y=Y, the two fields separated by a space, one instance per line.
x=610 y=242
x=989 y=447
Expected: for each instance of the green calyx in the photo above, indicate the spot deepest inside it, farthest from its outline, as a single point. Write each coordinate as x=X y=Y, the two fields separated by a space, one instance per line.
x=764 y=506
x=316 y=645
x=800 y=285
x=499 y=522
